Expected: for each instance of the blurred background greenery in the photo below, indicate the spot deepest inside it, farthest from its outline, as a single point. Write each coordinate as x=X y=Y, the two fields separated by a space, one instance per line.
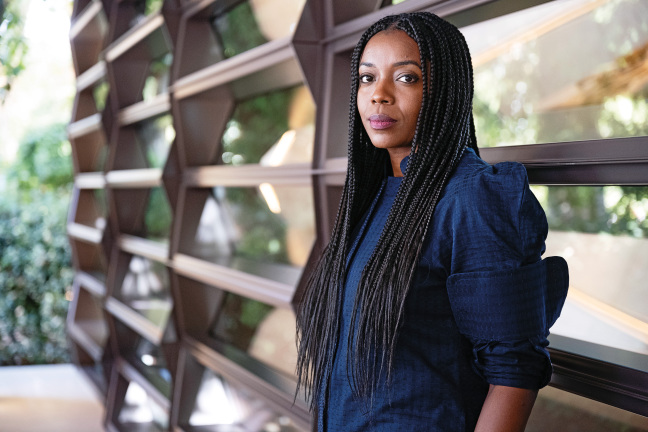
x=36 y=94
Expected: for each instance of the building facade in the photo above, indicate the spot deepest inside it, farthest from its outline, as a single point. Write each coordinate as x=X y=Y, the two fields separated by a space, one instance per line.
x=209 y=144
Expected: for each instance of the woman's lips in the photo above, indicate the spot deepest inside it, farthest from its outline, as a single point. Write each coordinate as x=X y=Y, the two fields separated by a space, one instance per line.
x=381 y=121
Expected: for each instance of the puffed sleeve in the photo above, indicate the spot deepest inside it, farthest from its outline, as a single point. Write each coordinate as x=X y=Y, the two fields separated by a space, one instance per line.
x=503 y=296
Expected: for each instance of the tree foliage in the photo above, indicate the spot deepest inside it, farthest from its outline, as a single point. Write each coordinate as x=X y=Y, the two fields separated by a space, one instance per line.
x=43 y=161
x=35 y=273
x=13 y=46
x=35 y=263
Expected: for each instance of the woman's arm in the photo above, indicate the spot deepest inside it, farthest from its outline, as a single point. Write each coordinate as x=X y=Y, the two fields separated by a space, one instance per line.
x=506 y=409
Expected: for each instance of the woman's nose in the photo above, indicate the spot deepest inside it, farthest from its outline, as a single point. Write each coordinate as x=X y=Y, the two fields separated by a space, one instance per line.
x=382 y=93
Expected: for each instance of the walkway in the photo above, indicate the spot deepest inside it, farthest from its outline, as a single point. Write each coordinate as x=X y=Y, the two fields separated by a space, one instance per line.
x=53 y=398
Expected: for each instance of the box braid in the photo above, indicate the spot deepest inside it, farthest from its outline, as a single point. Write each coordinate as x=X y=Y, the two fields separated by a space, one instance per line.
x=444 y=129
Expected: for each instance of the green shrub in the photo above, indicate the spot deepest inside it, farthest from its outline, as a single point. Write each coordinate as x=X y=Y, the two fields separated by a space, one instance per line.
x=44 y=161
x=35 y=274
x=35 y=264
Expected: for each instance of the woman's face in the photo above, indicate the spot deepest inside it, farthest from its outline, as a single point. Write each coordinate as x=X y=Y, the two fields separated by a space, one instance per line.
x=390 y=90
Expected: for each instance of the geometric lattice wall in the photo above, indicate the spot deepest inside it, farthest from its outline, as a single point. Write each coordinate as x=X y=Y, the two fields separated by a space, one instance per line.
x=193 y=213
x=209 y=146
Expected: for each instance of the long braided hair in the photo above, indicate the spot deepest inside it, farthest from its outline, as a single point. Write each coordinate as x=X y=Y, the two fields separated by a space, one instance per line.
x=444 y=129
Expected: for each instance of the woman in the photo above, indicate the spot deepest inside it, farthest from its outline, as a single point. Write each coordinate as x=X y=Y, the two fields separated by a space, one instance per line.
x=430 y=307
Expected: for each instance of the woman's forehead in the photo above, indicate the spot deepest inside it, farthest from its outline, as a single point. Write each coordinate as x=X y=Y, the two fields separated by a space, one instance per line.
x=393 y=42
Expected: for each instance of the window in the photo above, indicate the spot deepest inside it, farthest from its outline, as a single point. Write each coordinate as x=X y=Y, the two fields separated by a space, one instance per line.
x=271 y=129
x=266 y=230
x=145 y=289
x=262 y=21
x=263 y=332
x=564 y=71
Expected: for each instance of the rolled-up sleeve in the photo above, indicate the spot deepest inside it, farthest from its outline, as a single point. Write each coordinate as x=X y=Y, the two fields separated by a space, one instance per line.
x=507 y=314
x=504 y=298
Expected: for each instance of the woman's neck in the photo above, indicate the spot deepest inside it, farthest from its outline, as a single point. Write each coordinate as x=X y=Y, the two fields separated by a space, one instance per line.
x=396 y=156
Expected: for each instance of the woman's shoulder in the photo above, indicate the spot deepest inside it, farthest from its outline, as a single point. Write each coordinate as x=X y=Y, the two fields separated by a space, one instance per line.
x=476 y=179
x=488 y=211
x=481 y=195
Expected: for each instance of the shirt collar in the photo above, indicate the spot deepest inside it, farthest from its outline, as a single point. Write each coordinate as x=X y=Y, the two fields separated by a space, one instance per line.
x=403 y=164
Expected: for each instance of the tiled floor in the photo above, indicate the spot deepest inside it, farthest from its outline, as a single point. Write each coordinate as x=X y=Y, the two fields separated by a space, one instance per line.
x=55 y=398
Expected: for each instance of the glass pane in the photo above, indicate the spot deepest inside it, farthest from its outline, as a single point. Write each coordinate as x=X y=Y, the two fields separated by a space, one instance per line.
x=248 y=24
x=90 y=318
x=144 y=8
x=221 y=403
x=146 y=290
x=91 y=208
x=566 y=70
x=268 y=230
x=100 y=93
x=95 y=371
x=602 y=232
x=90 y=151
x=102 y=209
x=152 y=6
x=273 y=129
x=151 y=362
x=91 y=259
x=262 y=331
x=139 y=408
x=157 y=81
x=556 y=410
x=155 y=136
x=158 y=216
x=145 y=356
x=100 y=159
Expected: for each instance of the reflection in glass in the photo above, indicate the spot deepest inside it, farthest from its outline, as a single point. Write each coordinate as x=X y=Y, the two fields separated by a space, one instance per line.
x=267 y=231
x=100 y=159
x=220 y=403
x=602 y=232
x=139 y=407
x=89 y=317
x=96 y=372
x=91 y=259
x=91 y=208
x=155 y=136
x=146 y=290
x=557 y=410
x=273 y=129
x=102 y=210
x=93 y=369
x=99 y=94
x=157 y=81
x=262 y=331
x=566 y=70
x=151 y=359
x=158 y=216
x=247 y=24
x=144 y=8
x=145 y=356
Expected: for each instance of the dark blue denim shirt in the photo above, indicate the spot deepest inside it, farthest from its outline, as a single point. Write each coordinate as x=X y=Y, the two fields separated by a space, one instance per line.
x=478 y=312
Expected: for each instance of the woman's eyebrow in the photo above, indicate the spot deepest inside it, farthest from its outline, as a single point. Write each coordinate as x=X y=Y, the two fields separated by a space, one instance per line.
x=401 y=63
x=408 y=62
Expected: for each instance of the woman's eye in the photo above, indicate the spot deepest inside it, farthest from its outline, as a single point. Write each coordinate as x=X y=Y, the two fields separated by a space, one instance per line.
x=408 y=78
x=365 y=78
